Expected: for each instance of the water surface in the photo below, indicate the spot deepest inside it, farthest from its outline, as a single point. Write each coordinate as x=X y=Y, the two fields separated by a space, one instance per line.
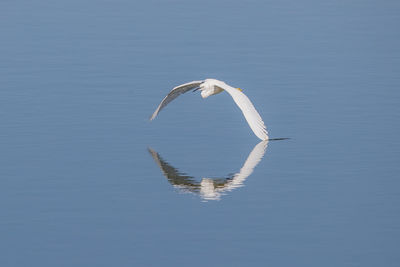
x=79 y=80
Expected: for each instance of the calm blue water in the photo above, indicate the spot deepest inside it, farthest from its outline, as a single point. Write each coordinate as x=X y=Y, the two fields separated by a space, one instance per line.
x=79 y=80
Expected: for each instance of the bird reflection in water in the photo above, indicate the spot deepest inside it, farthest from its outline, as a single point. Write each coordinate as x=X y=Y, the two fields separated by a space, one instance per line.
x=211 y=188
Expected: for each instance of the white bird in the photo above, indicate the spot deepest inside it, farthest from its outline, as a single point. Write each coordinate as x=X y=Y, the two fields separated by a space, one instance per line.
x=210 y=87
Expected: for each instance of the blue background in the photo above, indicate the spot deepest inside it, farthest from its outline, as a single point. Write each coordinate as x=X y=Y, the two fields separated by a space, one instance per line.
x=79 y=80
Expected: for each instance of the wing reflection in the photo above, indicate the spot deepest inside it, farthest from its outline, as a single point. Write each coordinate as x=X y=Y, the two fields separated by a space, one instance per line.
x=211 y=188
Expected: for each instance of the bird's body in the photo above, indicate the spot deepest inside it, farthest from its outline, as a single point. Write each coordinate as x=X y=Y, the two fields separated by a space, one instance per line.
x=210 y=87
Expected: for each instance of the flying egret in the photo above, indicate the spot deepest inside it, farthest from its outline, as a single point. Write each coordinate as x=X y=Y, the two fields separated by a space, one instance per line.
x=210 y=87
x=211 y=188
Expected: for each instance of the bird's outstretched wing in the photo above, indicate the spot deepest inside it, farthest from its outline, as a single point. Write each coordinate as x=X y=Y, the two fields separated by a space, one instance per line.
x=177 y=91
x=250 y=113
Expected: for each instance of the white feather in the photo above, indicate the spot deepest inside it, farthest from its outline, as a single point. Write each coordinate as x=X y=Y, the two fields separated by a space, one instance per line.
x=210 y=87
x=175 y=92
x=249 y=112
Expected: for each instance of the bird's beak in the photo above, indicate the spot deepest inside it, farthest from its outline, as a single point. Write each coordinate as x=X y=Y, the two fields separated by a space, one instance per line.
x=240 y=89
